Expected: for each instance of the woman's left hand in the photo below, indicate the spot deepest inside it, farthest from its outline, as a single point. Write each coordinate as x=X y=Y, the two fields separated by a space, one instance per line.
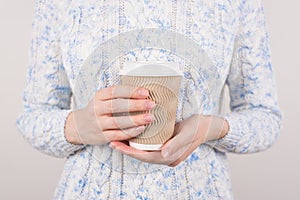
x=188 y=135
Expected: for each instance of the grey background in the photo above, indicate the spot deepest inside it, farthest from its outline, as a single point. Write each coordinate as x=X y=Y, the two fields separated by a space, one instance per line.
x=273 y=174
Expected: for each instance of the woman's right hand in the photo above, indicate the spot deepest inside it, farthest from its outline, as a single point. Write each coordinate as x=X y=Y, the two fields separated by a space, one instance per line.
x=96 y=124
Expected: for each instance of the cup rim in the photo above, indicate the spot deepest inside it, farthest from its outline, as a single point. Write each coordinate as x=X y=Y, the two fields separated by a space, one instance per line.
x=141 y=68
x=146 y=147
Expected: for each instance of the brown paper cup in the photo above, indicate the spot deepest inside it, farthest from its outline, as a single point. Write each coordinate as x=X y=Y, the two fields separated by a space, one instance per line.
x=163 y=83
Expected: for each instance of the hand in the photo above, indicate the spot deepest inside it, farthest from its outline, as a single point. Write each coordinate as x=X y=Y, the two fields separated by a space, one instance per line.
x=188 y=135
x=101 y=122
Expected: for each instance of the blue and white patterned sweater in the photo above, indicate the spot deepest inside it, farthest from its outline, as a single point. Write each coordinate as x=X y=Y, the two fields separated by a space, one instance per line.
x=232 y=33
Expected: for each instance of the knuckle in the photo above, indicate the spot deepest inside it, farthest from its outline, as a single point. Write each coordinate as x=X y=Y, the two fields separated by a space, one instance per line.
x=99 y=124
x=124 y=121
x=97 y=108
x=90 y=110
x=103 y=123
x=106 y=107
x=112 y=123
x=116 y=105
x=106 y=93
x=133 y=105
x=98 y=94
x=111 y=91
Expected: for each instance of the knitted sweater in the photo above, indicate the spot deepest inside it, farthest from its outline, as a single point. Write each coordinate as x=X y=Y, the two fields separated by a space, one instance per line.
x=217 y=43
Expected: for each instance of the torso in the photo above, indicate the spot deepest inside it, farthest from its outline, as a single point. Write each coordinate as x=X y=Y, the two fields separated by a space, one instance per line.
x=107 y=174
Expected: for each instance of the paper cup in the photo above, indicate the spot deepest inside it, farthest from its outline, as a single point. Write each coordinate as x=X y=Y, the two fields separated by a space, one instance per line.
x=163 y=82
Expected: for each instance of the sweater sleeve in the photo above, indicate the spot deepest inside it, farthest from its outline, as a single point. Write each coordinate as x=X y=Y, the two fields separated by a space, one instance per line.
x=255 y=118
x=47 y=94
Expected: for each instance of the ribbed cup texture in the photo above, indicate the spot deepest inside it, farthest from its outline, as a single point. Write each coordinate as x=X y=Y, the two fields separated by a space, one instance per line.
x=163 y=91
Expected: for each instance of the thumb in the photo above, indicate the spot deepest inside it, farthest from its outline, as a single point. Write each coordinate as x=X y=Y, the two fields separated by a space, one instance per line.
x=183 y=138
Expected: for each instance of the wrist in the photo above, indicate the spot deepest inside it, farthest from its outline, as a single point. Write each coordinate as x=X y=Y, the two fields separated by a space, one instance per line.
x=217 y=127
x=70 y=130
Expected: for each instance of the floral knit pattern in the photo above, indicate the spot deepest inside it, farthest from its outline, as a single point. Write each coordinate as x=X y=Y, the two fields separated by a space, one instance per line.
x=231 y=32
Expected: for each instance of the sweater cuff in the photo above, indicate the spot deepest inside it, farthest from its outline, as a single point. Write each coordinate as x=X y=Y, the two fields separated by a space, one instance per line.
x=229 y=142
x=65 y=148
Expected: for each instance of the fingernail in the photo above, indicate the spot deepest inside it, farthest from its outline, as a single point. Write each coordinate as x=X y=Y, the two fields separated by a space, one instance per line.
x=140 y=129
x=165 y=153
x=148 y=118
x=143 y=92
x=150 y=104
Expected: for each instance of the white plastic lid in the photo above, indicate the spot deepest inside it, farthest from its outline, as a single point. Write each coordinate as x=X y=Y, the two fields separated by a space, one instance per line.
x=151 y=69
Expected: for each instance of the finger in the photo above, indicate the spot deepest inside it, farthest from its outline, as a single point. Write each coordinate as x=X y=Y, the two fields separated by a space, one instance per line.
x=122 y=91
x=174 y=164
x=125 y=105
x=180 y=140
x=145 y=156
x=184 y=153
x=124 y=122
x=112 y=135
x=177 y=128
x=125 y=148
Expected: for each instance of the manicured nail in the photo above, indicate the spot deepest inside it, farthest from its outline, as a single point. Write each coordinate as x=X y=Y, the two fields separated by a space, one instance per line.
x=150 y=104
x=140 y=129
x=143 y=92
x=148 y=118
